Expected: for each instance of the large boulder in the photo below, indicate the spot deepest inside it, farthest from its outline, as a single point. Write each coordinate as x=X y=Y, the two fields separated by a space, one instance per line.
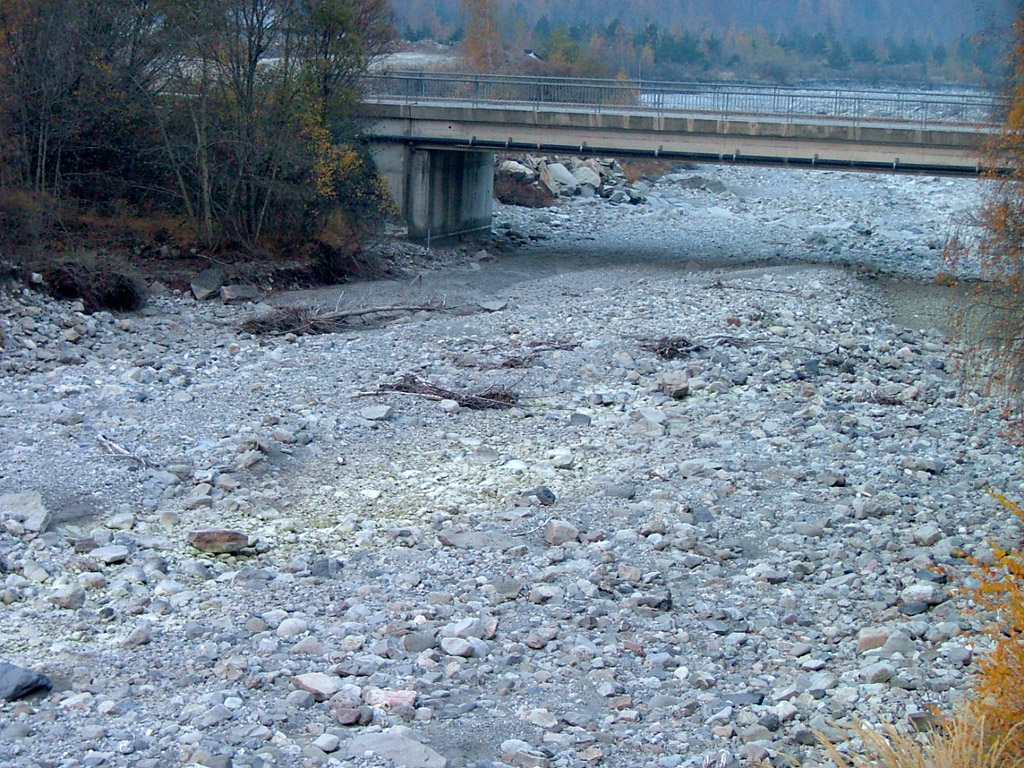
x=559 y=179
x=517 y=171
x=587 y=177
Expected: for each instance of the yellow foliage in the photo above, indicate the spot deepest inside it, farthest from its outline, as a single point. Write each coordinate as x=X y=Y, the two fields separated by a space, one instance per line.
x=987 y=731
x=999 y=686
x=962 y=743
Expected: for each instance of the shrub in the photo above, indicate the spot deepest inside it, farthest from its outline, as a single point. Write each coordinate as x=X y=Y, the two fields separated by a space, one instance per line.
x=999 y=686
x=98 y=285
x=960 y=743
x=989 y=318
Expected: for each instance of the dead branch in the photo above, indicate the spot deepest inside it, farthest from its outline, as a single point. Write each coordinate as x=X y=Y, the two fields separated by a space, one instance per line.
x=410 y=385
x=114 y=449
x=311 y=320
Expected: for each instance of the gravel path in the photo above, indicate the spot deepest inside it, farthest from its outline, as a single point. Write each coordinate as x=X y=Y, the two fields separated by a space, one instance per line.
x=648 y=561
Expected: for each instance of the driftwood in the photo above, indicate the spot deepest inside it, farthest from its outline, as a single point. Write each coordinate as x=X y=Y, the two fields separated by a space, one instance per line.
x=114 y=449
x=673 y=347
x=518 y=361
x=410 y=385
x=310 y=321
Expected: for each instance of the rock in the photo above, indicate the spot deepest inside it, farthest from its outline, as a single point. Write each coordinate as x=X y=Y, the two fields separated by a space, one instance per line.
x=218 y=541
x=517 y=170
x=239 y=294
x=17 y=682
x=929 y=594
x=870 y=638
x=389 y=698
x=327 y=742
x=558 y=179
x=377 y=412
x=141 y=635
x=292 y=627
x=927 y=535
x=456 y=646
x=675 y=384
x=28 y=509
x=417 y=642
x=71 y=597
x=110 y=555
x=320 y=685
x=880 y=672
x=558 y=532
x=587 y=177
x=543 y=495
x=207 y=283
x=399 y=745
x=624 y=491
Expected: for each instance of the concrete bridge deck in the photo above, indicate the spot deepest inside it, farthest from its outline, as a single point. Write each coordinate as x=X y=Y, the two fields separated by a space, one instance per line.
x=824 y=128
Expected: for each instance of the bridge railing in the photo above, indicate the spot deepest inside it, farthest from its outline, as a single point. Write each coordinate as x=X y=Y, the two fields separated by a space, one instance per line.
x=722 y=100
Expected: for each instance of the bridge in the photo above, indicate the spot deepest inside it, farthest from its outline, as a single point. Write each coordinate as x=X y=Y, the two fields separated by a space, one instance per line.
x=435 y=133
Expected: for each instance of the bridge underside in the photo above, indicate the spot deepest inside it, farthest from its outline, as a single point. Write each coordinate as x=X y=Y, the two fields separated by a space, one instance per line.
x=441 y=193
x=438 y=158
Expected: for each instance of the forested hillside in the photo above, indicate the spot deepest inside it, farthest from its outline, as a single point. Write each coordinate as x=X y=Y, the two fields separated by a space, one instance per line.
x=779 y=39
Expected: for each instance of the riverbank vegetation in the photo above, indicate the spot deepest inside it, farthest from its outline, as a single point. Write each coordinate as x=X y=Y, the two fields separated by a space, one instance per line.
x=988 y=727
x=222 y=125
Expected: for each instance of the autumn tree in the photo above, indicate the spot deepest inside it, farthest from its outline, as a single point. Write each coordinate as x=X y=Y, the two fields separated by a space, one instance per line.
x=482 y=42
x=989 y=317
x=233 y=112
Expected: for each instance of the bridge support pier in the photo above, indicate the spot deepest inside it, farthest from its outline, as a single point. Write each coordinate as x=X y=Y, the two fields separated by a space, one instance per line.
x=440 y=193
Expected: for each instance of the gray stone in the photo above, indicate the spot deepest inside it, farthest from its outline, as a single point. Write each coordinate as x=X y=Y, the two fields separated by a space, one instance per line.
x=417 y=642
x=71 y=597
x=621 y=490
x=558 y=532
x=110 y=555
x=377 y=412
x=240 y=294
x=587 y=177
x=17 y=682
x=558 y=179
x=456 y=646
x=518 y=170
x=207 y=283
x=27 y=508
x=322 y=686
x=399 y=745
x=880 y=672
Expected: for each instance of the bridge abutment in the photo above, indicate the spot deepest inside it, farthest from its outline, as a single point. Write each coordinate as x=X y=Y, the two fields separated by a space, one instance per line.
x=440 y=193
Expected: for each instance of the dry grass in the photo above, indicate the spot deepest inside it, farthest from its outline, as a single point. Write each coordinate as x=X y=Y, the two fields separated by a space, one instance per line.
x=964 y=742
x=302 y=321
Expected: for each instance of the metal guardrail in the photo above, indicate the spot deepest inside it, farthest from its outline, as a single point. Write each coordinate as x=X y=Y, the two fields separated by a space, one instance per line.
x=723 y=100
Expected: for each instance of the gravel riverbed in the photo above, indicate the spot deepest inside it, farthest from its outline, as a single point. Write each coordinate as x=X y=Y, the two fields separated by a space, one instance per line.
x=685 y=559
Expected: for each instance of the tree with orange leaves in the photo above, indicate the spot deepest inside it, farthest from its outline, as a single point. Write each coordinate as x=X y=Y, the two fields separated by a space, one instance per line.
x=989 y=318
x=483 y=41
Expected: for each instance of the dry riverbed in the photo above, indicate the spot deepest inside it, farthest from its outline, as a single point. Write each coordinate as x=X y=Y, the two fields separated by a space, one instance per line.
x=681 y=559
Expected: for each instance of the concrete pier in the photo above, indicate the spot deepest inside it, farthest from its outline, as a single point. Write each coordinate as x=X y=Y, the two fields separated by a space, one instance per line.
x=441 y=193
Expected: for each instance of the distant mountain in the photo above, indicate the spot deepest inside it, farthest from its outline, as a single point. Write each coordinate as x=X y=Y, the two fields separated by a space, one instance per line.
x=938 y=21
x=773 y=40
